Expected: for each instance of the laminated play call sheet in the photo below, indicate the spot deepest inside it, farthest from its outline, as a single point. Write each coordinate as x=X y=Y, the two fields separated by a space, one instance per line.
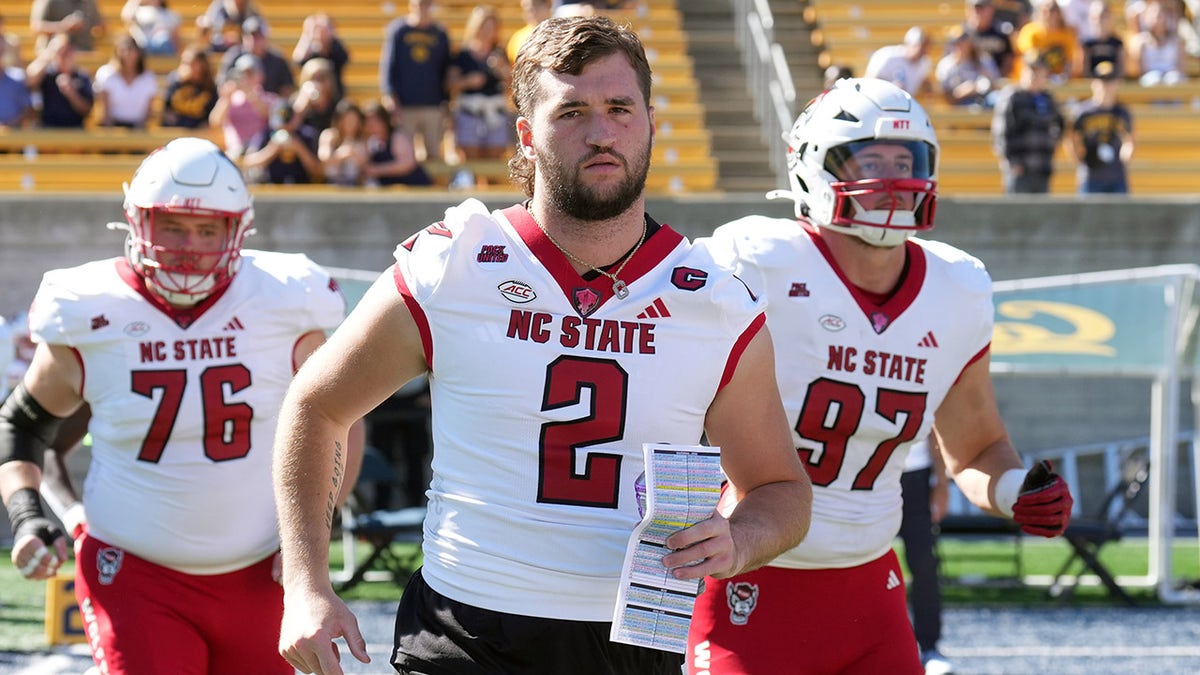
x=653 y=608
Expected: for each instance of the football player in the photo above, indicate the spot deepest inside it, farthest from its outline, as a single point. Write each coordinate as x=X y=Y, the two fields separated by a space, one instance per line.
x=883 y=336
x=559 y=335
x=183 y=349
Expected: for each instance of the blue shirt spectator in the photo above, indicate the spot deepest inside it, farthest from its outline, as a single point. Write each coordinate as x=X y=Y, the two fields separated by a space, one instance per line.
x=15 y=103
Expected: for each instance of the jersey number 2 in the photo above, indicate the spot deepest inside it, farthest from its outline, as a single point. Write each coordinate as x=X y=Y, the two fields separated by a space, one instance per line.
x=598 y=485
x=226 y=425
x=833 y=412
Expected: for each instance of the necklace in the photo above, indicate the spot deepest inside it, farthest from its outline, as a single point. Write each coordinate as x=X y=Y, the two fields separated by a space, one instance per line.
x=620 y=289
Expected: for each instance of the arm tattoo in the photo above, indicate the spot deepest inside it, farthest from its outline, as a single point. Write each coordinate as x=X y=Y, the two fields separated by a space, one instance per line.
x=338 y=474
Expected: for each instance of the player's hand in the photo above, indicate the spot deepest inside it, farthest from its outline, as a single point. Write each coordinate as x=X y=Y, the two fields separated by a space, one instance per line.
x=312 y=620
x=39 y=548
x=704 y=549
x=1044 y=505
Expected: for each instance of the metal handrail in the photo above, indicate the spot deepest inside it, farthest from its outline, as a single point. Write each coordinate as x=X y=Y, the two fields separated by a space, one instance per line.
x=768 y=78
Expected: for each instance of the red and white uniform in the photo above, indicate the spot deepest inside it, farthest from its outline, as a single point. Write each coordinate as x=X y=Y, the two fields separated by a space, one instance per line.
x=861 y=382
x=184 y=403
x=532 y=501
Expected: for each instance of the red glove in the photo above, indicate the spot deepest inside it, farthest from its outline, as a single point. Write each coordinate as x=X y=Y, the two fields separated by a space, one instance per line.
x=1044 y=505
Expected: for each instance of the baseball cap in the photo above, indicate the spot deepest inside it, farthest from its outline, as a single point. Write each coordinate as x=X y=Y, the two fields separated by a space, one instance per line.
x=978 y=3
x=914 y=36
x=246 y=63
x=254 y=26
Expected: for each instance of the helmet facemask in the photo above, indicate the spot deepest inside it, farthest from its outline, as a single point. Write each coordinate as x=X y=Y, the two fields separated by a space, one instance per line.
x=882 y=196
x=182 y=273
x=862 y=160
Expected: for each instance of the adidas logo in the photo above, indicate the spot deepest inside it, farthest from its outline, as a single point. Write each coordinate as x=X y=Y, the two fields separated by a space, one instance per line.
x=928 y=341
x=892 y=581
x=234 y=324
x=656 y=310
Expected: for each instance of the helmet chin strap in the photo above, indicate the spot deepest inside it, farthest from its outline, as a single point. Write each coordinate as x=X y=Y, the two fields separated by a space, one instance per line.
x=181 y=300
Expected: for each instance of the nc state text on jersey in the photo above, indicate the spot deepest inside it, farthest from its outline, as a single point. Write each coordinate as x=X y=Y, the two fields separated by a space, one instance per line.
x=600 y=335
x=883 y=364
x=221 y=347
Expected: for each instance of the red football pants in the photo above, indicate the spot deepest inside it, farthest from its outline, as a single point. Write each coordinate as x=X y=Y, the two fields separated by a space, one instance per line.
x=146 y=619
x=851 y=621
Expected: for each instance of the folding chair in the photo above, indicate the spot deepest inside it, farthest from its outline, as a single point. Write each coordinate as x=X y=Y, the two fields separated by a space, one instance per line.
x=1088 y=535
x=380 y=529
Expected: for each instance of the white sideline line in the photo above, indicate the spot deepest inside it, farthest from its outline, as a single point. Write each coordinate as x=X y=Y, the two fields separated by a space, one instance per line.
x=1163 y=651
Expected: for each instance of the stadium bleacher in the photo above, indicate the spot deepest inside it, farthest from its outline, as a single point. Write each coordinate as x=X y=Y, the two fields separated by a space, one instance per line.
x=1166 y=160
x=99 y=159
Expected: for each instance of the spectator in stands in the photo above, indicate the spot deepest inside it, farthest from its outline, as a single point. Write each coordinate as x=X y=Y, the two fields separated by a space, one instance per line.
x=154 y=25
x=1075 y=14
x=277 y=70
x=906 y=65
x=222 y=22
x=391 y=159
x=1051 y=38
x=1012 y=15
x=80 y=20
x=16 y=106
x=1101 y=137
x=342 y=148
x=534 y=12
x=412 y=76
x=126 y=89
x=990 y=36
x=1156 y=53
x=11 y=57
x=282 y=157
x=1103 y=45
x=319 y=40
x=478 y=78
x=65 y=88
x=191 y=91
x=244 y=109
x=925 y=491
x=1026 y=129
x=965 y=76
x=314 y=102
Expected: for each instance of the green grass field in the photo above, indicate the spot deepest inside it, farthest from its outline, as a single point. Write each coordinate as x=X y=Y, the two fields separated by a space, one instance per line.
x=987 y=568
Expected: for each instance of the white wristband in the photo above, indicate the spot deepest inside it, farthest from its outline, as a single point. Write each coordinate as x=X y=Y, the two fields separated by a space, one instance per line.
x=73 y=517
x=1008 y=489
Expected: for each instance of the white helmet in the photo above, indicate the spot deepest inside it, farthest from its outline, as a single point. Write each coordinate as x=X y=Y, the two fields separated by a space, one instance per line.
x=189 y=176
x=849 y=116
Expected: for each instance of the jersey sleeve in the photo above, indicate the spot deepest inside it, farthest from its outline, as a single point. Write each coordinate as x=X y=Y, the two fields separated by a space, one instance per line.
x=70 y=303
x=421 y=259
x=308 y=293
x=969 y=274
x=727 y=246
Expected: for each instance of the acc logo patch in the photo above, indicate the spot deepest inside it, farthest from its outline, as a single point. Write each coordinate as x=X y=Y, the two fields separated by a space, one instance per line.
x=831 y=323
x=517 y=291
x=137 y=328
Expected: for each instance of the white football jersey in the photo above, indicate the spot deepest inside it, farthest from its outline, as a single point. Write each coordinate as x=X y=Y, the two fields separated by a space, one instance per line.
x=544 y=388
x=184 y=403
x=860 y=382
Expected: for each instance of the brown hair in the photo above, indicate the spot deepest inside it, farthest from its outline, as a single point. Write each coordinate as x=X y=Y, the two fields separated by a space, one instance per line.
x=568 y=45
